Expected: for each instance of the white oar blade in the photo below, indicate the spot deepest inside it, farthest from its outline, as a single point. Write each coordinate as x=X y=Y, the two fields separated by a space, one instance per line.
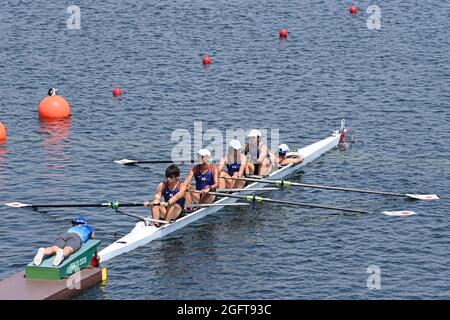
x=399 y=213
x=125 y=161
x=17 y=205
x=423 y=196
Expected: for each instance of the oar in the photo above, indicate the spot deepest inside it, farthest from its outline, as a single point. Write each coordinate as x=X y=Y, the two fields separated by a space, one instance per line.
x=246 y=189
x=285 y=183
x=205 y=205
x=254 y=199
x=128 y=162
x=111 y=204
x=141 y=217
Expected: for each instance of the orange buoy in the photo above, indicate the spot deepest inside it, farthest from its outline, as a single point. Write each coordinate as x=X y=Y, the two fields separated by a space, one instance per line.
x=2 y=132
x=353 y=10
x=117 y=91
x=54 y=107
x=283 y=33
x=206 y=60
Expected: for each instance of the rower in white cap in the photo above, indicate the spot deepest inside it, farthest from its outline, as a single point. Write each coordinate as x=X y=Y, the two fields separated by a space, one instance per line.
x=259 y=163
x=235 y=163
x=206 y=179
x=282 y=158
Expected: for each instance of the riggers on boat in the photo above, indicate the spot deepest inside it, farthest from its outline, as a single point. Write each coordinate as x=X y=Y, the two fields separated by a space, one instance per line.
x=142 y=233
x=45 y=281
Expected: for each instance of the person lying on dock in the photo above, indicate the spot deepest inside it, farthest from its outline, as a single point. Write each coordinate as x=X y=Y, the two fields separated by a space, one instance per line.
x=67 y=242
x=173 y=192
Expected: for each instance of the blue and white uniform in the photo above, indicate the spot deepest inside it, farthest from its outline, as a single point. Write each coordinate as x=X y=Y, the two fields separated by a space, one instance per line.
x=204 y=180
x=84 y=231
x=167 y=193
x=233 y=168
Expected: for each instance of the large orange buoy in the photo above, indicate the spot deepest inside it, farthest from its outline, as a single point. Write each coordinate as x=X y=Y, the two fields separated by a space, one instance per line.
x=2 y=132
x=54 y=107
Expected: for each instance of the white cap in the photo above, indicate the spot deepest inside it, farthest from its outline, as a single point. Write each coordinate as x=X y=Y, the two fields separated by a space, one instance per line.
x=235 y=144
x=254 y=133
x=283 y=148
x=204 y=152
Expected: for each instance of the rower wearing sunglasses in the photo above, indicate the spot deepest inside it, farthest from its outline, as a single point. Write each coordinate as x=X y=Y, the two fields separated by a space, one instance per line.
x=206 y=179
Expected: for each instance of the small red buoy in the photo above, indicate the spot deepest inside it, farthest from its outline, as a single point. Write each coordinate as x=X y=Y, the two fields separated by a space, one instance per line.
x=54 y=107
x=283 y=33
x=353 y=10
x=206 y=60
x=117 y=91
x=2 y=132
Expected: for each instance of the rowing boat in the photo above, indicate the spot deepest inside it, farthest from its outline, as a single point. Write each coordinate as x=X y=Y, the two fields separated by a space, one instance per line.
x=142 y=233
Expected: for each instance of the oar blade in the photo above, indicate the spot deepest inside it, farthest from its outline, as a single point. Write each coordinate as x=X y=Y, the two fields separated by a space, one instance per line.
x=17 y=205
x=403 y=213
x=426 y=197
x=126 y=162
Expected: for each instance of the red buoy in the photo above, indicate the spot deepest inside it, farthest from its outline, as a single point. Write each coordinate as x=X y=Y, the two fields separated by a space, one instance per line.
x=283 y=33
x=2 y=132
x=54 y=107
x=206 y=60
x=353 y=10
x=117 y=91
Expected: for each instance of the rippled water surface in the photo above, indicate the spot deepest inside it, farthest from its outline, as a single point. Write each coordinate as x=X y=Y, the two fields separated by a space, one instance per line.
x=392 y=86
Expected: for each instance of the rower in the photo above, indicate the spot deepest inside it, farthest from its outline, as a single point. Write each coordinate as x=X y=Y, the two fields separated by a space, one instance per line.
x=282 y=159
x=235 y=162
x=259 y=163
x=206 y=179
x=173 y=192
x=67 y=243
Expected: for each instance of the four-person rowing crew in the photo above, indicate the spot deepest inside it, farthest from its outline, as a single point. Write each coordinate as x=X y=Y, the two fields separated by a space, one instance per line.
x=174 y=196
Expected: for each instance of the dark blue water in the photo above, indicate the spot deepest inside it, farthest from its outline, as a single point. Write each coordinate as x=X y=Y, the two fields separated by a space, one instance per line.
x=392 y=86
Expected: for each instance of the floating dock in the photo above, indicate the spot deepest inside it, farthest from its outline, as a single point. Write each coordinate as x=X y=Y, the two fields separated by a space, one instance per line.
x=46 y=282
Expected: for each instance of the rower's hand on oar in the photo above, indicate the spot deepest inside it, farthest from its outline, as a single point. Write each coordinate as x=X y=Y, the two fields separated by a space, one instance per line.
x=164 y=204
x=149 y=204
x=206 y=190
